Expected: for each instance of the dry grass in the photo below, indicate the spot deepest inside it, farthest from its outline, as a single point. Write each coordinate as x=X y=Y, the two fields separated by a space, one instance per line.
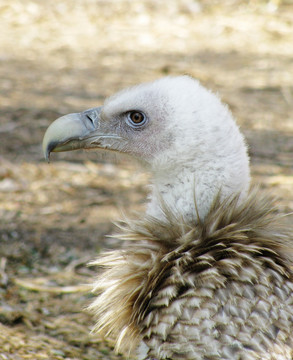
x=67 y=56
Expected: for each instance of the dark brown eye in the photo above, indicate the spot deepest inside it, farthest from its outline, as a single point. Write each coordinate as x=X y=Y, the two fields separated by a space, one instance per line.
x=136 y=118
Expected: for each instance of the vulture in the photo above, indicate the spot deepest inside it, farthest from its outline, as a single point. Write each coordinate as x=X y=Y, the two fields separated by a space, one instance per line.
x=206 y=272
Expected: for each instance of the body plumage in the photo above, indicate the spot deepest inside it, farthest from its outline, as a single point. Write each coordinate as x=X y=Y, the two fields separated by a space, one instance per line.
x=219 y=289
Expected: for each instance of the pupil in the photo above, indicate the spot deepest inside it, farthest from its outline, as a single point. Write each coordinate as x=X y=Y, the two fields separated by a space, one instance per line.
x=137 y=117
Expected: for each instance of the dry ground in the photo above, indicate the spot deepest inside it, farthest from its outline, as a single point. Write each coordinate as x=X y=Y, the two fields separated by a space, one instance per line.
x=66 y=56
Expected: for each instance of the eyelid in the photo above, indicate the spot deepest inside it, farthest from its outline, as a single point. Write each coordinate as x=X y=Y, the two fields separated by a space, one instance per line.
x=131 y=123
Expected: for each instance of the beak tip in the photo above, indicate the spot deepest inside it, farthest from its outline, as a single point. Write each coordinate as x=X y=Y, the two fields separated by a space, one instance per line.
x=47 y=157
x=47 y=149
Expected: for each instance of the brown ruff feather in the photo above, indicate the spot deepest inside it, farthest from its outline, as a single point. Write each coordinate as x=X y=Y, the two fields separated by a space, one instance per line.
x=220 y=289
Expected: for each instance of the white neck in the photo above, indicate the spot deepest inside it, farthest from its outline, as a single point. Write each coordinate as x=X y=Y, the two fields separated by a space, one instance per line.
x=180 y=187
x=201 y=155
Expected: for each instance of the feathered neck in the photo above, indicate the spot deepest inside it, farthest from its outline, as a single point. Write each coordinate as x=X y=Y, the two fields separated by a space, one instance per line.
x=190 y=188
x=161 y=260
x=188 y=176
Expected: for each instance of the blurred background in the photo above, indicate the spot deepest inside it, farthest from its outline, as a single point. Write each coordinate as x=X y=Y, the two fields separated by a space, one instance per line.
x=67 y=56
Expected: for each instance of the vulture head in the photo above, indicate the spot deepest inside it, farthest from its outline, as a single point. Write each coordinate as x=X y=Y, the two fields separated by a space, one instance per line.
x=206 y=273
x=180 y=131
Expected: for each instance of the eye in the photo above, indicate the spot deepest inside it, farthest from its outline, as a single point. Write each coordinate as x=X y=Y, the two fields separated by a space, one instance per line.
x=136 y=118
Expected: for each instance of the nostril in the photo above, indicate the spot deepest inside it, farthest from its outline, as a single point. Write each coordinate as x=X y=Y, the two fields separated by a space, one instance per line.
x=91 y=117
x=88 y=117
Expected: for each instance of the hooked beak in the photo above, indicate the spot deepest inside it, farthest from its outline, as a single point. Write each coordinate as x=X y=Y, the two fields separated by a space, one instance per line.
x=74 y=131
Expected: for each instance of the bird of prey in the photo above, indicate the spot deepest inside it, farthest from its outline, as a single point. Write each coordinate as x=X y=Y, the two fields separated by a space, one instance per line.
x=206 y=272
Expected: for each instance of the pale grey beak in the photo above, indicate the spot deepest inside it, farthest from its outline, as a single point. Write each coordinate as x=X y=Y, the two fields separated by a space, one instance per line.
x=71 y=132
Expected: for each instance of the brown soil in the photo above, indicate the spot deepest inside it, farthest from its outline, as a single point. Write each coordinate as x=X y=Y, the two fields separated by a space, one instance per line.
x=66 y=56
